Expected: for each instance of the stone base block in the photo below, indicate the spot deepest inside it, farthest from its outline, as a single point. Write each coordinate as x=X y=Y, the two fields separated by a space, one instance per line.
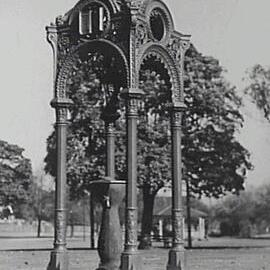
x=177 y=260
x=58 y=261
x=131 y=261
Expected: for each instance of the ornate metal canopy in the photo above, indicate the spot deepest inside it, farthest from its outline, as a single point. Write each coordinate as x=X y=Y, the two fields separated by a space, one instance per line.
x=140 y=34
x=135 y=30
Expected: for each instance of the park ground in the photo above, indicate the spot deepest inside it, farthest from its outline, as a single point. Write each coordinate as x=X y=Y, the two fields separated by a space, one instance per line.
x=27 y=252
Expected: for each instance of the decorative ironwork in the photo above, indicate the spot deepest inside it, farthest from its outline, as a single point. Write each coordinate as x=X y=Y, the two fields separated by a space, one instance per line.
x=174 y=45
x=141 y=34
x=136 y=30
x=176 y=119
x=60 y=227
x=157 y=25
x=61 y=115
x=177 y=218
x=131 y=228
x=164 y=56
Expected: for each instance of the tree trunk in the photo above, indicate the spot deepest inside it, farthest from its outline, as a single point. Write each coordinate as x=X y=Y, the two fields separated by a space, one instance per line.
x=39 y=227
x=188 y=215
x=92 y=223
x=71 y=229
x=147 y=219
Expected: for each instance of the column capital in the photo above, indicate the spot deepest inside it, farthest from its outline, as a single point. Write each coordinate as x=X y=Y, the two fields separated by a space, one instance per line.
x=61 y=103
x=176 y=107
x=61 y=106
x=132 y=93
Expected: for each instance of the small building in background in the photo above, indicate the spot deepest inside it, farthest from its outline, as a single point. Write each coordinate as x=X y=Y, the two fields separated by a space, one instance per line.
x=162 y=220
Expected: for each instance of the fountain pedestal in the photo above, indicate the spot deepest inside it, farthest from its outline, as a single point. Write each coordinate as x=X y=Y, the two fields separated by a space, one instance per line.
x=110 y=245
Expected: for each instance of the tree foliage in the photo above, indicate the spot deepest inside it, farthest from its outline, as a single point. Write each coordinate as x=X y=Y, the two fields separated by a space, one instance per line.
x=39 y=205
x=259 y=88
x=215 y=162
x=90 y=88
x=244 y=215
x=15 y=175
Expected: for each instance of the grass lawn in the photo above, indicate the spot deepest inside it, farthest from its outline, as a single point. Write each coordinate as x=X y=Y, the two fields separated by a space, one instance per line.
x=215 y=254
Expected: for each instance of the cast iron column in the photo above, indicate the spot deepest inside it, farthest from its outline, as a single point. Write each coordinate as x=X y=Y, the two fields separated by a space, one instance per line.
x=59 y=256
x=110 y=148
x=130 y=259
x=177 y=253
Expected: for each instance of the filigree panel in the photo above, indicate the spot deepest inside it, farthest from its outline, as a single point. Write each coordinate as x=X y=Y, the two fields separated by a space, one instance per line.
x=177 y=226
x=131 y=227
x=141 y=34
x=60 y=226
x=163 y=55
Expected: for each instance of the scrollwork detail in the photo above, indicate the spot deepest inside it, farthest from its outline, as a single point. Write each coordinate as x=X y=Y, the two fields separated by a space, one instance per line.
x=174 y=45
x=141 y=34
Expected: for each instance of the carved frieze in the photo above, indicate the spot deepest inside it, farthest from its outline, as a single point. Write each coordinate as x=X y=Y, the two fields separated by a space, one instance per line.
x=131 y=227
x=174 y=47
x=60 y=226
x=141 y=35
x=177 y=217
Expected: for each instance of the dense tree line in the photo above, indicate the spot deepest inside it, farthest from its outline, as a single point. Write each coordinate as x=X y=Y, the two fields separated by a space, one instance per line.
x=245 y=215
x=15 y=176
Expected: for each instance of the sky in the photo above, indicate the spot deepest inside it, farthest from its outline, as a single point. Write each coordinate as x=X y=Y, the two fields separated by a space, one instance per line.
x=234 y=31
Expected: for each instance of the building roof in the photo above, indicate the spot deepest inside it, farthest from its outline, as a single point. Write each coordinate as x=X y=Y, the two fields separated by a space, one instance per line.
x=163 y=208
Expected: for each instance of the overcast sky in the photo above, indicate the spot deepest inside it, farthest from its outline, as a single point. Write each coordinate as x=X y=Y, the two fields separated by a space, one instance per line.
x=237 y=32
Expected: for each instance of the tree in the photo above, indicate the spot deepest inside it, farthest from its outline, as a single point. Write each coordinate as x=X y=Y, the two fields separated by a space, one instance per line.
x=154 y=155
x=214 y=161
x=15 y=175
x=245 y=214
x=39 y=205
x=236 y=215
x=259 y=88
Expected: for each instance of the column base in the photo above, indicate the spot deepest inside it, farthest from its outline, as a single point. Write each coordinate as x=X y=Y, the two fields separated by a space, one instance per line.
x=131 y=261
x=58 y=261
x=177 y=260
x=110 y=266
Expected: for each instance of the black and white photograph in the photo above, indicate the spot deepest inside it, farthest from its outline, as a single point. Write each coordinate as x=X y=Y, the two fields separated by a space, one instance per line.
x=135 y=135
